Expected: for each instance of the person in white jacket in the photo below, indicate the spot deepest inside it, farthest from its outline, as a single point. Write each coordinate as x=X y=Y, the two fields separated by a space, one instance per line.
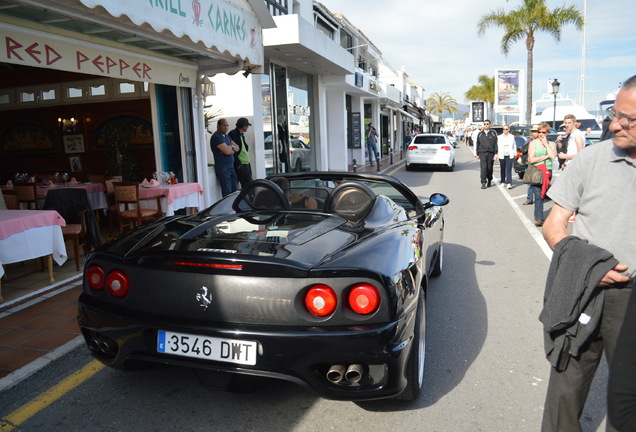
x=507 y=150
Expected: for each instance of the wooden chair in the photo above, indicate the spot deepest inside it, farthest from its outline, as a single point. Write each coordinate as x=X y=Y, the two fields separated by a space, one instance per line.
x=77 y=232
x=11 y=201
x=127 y=195
x=27 y=193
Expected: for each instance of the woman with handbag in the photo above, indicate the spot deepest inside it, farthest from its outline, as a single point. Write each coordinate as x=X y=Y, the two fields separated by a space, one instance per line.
x=540 y=155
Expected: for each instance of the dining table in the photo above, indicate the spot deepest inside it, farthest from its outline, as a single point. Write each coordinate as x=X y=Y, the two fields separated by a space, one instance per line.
x=96 y=192
x=30 y=234
x=173 y=196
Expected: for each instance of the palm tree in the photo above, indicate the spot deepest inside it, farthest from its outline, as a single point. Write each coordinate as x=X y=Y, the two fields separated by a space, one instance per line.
x=484 y=92
x=440 y=103
x=522 y=23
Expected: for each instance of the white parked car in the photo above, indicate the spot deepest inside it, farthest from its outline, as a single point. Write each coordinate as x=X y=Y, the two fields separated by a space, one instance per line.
x=430 y=149
x=299 y=156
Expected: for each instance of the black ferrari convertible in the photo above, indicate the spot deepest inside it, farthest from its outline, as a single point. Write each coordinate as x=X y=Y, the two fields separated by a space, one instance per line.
x=317 y=278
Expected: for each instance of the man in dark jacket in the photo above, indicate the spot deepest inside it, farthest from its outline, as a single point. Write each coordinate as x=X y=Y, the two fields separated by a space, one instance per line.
x=242 y=157
x=486 y=151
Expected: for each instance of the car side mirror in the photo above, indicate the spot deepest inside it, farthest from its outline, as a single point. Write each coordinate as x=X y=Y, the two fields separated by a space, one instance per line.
x=436 y=199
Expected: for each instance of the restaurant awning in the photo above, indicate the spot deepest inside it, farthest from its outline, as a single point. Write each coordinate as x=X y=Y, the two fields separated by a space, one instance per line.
x=209 y=36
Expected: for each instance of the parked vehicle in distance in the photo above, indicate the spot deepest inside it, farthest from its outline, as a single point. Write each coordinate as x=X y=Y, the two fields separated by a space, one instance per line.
x=331 y=298
x=300 y=155
x=430 y=149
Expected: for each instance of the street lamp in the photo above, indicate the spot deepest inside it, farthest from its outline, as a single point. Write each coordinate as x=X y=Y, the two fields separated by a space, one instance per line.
x=555 y=90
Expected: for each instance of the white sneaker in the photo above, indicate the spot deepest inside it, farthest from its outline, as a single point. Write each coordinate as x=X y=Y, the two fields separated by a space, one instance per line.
x=509 y=186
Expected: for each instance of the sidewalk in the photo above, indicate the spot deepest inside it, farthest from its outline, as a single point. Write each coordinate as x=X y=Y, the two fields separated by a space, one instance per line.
x=37 y=331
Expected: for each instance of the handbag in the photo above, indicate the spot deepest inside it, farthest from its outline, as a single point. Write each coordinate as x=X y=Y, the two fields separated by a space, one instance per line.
x=533 y=175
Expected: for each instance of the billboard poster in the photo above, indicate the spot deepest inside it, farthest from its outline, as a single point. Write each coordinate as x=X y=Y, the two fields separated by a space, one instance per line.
x=507 y=91
x=477 y=110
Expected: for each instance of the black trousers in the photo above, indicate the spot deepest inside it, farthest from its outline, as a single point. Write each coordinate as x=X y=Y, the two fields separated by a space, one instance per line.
x=486 y=162
x=568 y=390
x=244 y=174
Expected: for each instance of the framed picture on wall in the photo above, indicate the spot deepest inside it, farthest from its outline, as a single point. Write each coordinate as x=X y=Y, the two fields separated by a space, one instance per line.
x=76 y=163
x=74 y=143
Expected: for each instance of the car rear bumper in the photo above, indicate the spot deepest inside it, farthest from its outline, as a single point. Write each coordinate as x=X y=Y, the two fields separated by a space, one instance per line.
x=429 y=160
x=300 y=355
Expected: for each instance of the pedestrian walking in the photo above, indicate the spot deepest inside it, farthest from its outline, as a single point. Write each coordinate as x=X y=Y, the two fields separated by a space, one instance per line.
x=372 y=145
x=534 y=134
x=507 y=150
x=600 y=255
x=540 y=154
x=486 y=151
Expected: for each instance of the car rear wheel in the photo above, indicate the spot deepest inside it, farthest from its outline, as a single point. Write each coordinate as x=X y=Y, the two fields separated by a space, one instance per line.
x=408 y=167
x=439 y=262
x=414 y=373
x=299 y=165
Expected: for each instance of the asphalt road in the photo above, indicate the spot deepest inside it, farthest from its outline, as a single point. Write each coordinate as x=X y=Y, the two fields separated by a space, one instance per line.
x=485 y=371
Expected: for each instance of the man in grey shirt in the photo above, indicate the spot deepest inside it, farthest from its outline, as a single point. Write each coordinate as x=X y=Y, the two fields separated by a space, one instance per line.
x=598 y=186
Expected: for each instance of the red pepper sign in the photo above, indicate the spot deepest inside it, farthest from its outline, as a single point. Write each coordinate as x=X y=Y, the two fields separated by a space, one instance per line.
x=85 y=61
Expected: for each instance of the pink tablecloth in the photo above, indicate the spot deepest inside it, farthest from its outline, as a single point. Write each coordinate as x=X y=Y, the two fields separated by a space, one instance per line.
x=15 y=221
x=96 y=193
x=171 y=192
x=173 y=197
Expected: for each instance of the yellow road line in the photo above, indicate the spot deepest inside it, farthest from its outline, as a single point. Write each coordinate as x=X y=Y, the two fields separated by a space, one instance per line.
x=25 y=412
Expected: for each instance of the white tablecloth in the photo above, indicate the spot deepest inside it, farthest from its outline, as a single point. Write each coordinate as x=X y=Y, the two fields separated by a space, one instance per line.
x=33 y=243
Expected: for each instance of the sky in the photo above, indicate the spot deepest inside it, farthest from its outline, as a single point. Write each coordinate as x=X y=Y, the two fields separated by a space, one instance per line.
x=438 y=44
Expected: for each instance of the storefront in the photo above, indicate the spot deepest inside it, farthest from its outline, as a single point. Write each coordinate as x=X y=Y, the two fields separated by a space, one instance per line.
x=74 y=70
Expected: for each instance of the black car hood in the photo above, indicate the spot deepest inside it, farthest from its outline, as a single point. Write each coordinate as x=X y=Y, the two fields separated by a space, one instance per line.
x=304 y=238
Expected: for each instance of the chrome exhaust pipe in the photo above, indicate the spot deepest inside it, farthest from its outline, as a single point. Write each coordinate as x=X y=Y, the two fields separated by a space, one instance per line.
x=354 y=373
x=93 y=344
x=335 y=373
x=104 y=347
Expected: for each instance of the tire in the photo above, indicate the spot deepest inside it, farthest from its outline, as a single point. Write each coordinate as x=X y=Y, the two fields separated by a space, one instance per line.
x=521 y=175
x=414 y=372
x=407 y=167
x=439 y=262
x=452 y=167
x=299 y=165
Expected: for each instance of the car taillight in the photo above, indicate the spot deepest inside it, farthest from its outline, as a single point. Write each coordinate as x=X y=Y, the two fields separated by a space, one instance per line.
x=412 y=147
x=321 y=300
x=95 y=277
x=117 y=283
x=447 y=148
x=364 y=299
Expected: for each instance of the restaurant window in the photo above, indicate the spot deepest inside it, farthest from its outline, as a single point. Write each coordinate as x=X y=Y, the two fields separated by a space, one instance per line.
x=97 y=90
x=5 y=99
x=126 y=87
x=74 y=92
x=27 y=96
x=277 y=7
x=48 y=95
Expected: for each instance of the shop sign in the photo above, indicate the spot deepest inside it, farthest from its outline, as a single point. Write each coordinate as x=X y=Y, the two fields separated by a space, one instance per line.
x=217 y=24
x=43 y=50
x=373 y=86
x=359 y=79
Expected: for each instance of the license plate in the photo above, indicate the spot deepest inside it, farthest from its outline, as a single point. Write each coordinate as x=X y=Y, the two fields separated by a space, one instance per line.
x=209 y=348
